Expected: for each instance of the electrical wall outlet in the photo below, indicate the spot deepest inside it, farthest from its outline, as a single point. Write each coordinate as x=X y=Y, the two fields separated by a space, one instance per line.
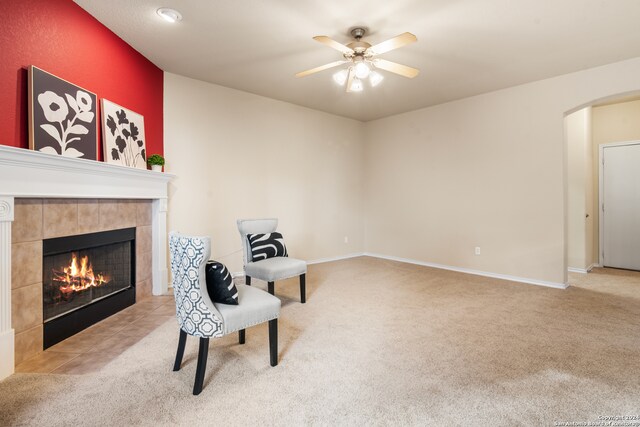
x=477 y=250
x=346 y=239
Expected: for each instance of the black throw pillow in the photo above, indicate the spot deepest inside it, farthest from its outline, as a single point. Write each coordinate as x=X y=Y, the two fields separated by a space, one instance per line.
x=265 y=246
x=220 y=284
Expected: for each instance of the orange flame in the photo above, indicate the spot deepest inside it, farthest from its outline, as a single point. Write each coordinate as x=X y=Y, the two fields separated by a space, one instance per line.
x=76 y=278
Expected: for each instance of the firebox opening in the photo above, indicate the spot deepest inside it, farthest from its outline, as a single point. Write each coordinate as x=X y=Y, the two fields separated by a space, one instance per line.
x=86 y=278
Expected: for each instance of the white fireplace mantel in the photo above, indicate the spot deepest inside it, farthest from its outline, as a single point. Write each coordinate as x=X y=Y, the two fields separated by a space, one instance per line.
x=30 y=174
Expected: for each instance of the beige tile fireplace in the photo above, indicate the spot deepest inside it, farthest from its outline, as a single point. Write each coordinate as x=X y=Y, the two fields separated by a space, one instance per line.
x=38 y=219
x=46 y=196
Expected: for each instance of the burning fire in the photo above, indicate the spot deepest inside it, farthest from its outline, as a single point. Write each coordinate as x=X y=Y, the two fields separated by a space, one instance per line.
x=76 y=278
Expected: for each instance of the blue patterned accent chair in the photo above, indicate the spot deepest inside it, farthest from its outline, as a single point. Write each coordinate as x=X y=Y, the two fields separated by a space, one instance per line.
x=200 y=317
x=270 y=269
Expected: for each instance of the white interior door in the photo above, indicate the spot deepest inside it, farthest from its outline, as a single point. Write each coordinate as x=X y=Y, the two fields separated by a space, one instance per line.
x=621 y=206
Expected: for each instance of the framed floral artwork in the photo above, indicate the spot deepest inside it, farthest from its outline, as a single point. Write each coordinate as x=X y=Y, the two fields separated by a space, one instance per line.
x=123 y=136
x=62 y=117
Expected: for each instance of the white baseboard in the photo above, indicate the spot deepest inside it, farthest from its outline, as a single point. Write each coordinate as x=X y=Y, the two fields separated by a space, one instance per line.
x=336 y=258
x=470 y=271
x=582 y=270
x=433 y=265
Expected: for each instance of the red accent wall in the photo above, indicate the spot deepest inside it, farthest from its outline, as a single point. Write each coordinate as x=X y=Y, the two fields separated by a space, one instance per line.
x=58 y=36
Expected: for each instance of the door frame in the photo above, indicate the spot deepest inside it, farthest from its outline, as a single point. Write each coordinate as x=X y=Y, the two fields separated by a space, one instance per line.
x=601 y=148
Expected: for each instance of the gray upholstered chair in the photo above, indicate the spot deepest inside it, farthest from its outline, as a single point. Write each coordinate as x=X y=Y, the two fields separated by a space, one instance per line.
x=200 y=317
x=270 y=269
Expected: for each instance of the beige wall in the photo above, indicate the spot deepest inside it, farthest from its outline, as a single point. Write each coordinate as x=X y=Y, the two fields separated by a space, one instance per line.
x=611 y=123
x=238 y=155
x=579 y=188
x=483 y=171
x=591 y=258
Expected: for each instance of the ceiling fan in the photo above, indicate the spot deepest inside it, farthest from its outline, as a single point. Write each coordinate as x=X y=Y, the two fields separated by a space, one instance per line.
x=361 y=57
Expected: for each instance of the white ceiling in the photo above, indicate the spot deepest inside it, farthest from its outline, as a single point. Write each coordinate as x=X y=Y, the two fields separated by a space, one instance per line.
x=464 y=48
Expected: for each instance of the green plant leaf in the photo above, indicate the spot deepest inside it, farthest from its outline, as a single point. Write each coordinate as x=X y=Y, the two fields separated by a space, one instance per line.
x=155 y=159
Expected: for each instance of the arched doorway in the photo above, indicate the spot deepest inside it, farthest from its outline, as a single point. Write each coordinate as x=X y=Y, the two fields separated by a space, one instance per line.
x=588 y=128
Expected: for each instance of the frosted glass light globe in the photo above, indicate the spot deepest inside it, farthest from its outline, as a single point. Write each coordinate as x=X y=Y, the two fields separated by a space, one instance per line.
x=362 y=70
x=356 y=85
x=341 y=77
x=375 y=78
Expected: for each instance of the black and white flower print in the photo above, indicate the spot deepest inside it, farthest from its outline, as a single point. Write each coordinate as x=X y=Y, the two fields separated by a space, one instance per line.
x=65 y=116
x=62 y=117
x=124 y=136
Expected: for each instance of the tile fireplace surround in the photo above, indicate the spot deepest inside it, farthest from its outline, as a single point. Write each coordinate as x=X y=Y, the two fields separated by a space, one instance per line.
x=56 y=191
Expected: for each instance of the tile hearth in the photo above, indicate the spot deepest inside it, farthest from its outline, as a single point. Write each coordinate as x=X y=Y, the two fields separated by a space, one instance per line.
x=93 y=348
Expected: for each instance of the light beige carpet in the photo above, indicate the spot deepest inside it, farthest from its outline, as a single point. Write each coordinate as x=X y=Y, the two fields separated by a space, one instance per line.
x=378 y=343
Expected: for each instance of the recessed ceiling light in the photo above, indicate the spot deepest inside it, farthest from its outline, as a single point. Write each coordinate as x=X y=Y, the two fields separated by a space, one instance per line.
x=169 y=15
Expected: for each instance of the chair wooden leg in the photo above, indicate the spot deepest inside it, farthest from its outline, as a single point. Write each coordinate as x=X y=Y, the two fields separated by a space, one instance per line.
x=303 y=288
x=203 y=352
x=181 y=343
x=270 y=287
x=273 y=342
x=247 y=280
x=241 y=336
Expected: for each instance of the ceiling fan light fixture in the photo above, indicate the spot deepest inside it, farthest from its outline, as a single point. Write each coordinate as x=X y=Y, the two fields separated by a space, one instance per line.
x=362 y=70
x=169 y=15
x=356 y=85
x=375 y=78
x=363 y=60
x=341 y=76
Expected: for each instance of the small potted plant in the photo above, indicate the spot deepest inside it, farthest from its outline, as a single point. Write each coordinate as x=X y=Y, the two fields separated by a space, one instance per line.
x=156 y=161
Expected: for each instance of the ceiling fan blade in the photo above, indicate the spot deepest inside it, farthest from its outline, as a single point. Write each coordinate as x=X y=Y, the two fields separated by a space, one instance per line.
x=320 y=68
x=334 y=44
x=394 y=67
x=350 y=78
x=394 y=43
